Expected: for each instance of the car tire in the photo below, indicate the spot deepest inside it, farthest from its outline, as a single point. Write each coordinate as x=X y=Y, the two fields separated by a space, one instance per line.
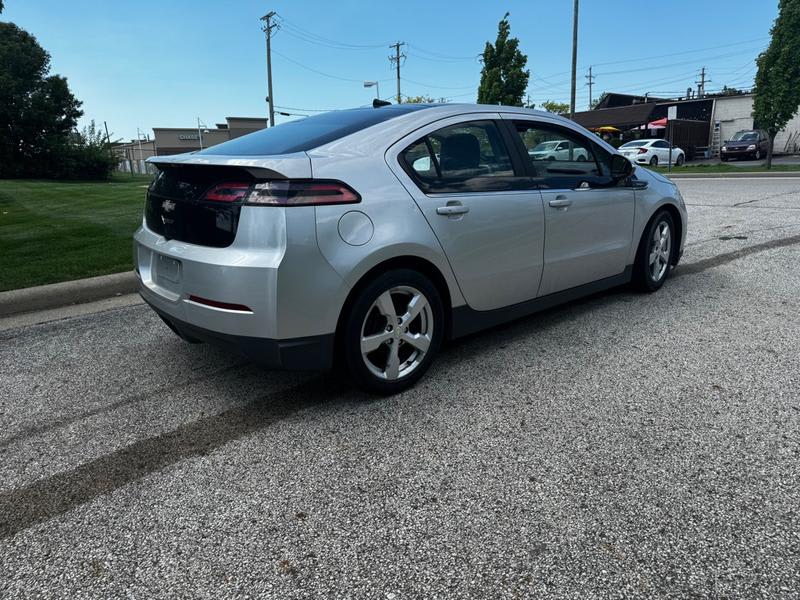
x=679 y=160
x=654 y=161
x=377 y=346
x=758 y=154
x=654 y=257
x=723 y=158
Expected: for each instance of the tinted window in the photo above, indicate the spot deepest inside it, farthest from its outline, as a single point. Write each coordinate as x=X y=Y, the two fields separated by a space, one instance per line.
x=308 y=133
x=660 y=144
x=468 y=157
x=562 y=165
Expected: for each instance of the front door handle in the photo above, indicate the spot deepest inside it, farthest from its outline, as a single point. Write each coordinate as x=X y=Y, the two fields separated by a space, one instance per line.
x=452 y=209
x=560 y=202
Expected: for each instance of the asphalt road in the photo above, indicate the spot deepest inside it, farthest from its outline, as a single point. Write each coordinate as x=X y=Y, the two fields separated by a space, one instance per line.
x=622 y=446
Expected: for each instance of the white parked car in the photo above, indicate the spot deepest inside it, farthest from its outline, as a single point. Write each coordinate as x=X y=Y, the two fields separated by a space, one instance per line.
x=652 y=152
x=557 y=150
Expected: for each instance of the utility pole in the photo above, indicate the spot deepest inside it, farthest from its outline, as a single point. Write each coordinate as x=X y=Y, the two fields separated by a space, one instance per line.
x=574 y=58
x=267 y=29
x=396 y=60
x=590 y=82
x=701 y=85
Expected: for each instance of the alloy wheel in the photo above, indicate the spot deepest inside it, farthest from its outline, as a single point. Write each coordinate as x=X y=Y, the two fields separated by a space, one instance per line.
x=660 y=248
x=397 y=332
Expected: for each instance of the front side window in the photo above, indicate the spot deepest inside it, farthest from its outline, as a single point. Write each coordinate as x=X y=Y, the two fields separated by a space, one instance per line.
x=558 y=157
x=467 y=157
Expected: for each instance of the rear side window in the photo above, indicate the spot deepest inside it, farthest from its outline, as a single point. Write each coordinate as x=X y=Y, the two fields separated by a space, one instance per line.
x=467 y=157
x=312 y=132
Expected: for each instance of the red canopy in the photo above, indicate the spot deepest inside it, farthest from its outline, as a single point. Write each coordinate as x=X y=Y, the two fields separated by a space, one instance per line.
x=657 y=123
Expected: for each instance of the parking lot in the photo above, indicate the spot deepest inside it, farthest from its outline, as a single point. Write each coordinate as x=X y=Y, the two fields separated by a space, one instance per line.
x=625 y=445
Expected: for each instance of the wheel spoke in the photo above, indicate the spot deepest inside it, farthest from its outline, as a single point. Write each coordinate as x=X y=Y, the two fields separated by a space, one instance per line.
x=393 y=362
x=386 y=307
x=370 y=343
x=415 y=306
x=420 y=341
x=653 y=256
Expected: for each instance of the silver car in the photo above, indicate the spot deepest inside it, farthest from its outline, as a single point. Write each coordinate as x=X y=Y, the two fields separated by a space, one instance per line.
x=363 y=239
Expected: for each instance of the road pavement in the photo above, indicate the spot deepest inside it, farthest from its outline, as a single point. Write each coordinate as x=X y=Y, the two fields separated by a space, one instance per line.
x=622 y=446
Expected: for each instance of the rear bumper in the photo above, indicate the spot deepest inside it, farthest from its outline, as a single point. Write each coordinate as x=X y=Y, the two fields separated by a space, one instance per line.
x=310 y=353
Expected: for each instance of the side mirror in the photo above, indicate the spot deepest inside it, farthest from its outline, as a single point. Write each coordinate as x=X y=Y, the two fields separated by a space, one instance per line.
x=621 y=167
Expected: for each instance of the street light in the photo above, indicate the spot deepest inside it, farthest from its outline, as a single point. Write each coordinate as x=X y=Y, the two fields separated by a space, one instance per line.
x=368 y=84
x=201 y=131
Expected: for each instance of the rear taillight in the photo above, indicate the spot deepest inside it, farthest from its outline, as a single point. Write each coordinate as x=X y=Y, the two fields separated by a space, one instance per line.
x=227 y=192
x=288 y=192
x=642 y=150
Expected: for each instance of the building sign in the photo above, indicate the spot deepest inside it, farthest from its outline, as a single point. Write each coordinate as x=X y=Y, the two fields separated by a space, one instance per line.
x=672 y=113
x=189 y=137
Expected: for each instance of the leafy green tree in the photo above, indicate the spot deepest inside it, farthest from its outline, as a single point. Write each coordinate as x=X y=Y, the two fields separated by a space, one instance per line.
x=777 y=91
x=1 y=6
x=37 y=111
x=504 y=77
x=560 y=108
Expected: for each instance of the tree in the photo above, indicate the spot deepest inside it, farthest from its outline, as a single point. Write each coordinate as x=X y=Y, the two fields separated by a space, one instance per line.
x=504 y=78
x=560 y=108
x=38 y=112
x=1 y=6
x=777 y=91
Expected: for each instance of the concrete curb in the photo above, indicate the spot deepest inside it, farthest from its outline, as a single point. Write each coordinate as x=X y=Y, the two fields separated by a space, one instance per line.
x=56 y=295
x=734 y=175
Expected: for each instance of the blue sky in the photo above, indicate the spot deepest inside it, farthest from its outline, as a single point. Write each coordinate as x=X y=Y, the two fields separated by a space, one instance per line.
x=164 y=63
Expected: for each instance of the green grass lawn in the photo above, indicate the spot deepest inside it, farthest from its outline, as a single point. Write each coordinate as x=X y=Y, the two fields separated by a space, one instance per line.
x=54 y=231
x=724 y=168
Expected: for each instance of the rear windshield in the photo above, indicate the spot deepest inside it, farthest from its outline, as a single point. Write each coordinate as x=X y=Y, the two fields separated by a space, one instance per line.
x=633 y=144
x=308 y=133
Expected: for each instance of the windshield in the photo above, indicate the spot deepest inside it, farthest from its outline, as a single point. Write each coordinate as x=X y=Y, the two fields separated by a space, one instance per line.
x=745 y=136
x=311 y=132
x=633 y=144
x=545 y=146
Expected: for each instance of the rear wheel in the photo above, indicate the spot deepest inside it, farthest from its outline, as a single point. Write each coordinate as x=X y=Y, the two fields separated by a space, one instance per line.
x=393 y=331
x=654 y=161
x=654 y=256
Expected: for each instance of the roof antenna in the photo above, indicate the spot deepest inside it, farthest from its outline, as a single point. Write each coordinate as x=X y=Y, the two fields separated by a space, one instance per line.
x=378 y=103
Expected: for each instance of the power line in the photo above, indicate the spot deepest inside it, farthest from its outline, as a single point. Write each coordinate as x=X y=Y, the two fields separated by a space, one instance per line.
x=318 y=72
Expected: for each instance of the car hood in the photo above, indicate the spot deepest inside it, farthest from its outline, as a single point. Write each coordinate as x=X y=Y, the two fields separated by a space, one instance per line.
x=740 y=144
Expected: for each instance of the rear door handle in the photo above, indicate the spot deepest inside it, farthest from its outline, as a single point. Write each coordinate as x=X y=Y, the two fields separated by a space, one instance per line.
x=560 y=202
x=452 y=209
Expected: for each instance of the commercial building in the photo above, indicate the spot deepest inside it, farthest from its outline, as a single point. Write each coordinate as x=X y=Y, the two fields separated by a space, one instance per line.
x=702 y=124
x=177 y=140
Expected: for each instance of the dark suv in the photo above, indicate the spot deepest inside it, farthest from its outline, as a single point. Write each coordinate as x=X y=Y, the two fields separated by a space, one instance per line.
x=749 y=143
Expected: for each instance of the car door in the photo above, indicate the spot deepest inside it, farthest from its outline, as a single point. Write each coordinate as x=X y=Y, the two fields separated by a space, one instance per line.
x=478 y=200
x=588 y=217
x=662 y=148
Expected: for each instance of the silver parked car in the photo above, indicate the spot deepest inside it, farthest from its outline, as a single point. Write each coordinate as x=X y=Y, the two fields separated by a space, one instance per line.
x=362 y=239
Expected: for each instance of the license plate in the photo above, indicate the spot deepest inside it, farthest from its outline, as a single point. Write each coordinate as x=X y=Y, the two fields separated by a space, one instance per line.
x=169 y=269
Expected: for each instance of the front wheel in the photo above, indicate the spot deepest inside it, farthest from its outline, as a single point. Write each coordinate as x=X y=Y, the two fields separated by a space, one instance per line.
x=679 y=160
x=654 y=256
x=758 y=154
x=393 y=331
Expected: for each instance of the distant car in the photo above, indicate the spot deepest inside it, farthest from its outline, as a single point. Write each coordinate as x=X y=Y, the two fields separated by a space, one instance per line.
x=748 y=143
x=652 y=152
x=557 y=150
